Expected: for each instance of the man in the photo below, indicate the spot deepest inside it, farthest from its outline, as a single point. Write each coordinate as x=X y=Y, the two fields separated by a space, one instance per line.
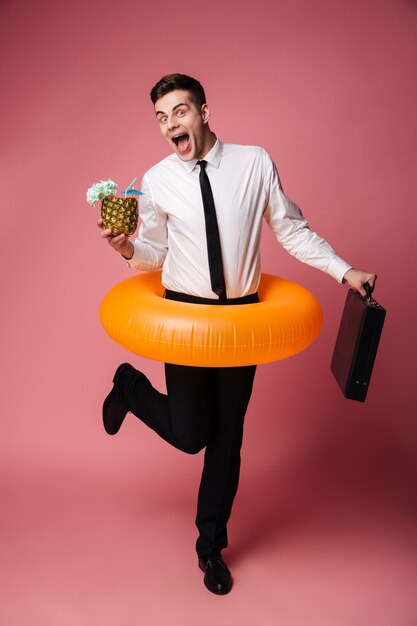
x=201 y=214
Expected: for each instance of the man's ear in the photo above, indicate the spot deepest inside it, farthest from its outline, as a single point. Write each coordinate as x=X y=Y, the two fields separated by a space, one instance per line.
x=205 y=113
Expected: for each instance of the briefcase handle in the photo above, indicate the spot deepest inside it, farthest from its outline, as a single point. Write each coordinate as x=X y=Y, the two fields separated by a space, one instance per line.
x=368 y=289
x=368 y=299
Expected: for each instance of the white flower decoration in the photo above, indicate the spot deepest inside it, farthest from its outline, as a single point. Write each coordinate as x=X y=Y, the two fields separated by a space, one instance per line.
x=101 y=190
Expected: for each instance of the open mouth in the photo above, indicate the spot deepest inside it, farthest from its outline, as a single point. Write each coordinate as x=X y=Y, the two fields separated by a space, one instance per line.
x=182 y=142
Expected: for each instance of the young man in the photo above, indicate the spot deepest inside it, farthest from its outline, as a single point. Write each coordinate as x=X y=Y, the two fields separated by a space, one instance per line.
x=202 y=212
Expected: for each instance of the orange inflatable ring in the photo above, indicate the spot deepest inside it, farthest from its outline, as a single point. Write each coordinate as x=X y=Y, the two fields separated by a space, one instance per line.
x=137 y=316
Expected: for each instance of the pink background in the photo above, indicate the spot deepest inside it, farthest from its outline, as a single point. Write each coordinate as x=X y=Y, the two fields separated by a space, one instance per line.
x=100 y=530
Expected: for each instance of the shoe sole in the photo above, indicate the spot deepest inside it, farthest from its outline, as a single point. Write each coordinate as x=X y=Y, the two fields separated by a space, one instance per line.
x=110 y=397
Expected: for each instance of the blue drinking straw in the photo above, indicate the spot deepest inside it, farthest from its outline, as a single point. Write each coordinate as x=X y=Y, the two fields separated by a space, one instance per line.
x=127 y=188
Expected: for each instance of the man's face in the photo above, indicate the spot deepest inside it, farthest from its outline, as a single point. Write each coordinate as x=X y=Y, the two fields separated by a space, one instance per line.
x=183 y=125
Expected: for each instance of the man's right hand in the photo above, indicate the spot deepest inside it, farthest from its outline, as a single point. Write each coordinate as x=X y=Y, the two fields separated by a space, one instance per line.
x=120 y=243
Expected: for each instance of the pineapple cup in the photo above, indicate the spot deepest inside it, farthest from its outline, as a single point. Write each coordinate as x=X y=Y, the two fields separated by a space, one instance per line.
x=120 y=214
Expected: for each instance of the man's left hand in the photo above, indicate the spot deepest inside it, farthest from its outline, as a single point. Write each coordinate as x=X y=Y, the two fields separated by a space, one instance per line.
x=356 y=280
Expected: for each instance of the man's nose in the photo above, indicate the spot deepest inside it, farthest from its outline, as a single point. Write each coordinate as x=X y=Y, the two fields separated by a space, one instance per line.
x=172 y=123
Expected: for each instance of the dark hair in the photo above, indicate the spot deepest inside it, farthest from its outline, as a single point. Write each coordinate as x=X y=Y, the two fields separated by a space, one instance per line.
x=179 y=81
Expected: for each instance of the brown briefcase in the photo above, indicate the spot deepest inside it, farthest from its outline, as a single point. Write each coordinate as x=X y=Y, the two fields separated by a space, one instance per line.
x=357 y=343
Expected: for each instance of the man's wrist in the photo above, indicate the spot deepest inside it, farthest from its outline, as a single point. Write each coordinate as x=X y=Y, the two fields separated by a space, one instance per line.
x=128 y=254
x=344 y=275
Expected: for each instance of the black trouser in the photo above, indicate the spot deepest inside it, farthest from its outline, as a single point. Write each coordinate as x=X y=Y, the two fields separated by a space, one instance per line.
x=204 y=407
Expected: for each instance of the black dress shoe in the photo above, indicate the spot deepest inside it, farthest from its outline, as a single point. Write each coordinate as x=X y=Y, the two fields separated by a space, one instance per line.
x=217 y=577
x=114 y=409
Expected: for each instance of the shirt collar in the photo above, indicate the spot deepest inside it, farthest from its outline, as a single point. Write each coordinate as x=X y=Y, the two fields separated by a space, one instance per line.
x=213 y=157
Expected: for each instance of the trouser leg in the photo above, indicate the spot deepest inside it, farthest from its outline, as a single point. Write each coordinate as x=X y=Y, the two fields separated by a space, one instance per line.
x=232 y=390
x=203 y=407
x=182 y=416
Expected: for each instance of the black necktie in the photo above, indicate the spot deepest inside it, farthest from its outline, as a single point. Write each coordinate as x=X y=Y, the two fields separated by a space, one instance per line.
x=212 y=233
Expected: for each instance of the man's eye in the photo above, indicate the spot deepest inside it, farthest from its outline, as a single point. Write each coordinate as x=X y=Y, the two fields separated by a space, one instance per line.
x=163 y=119
x=180 y=113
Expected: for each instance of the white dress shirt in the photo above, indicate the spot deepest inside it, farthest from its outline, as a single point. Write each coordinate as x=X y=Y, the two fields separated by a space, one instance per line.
x=246 y=188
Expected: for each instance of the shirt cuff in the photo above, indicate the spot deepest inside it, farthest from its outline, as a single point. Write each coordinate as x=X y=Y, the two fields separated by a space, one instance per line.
x=338 y=268
x=143 y=260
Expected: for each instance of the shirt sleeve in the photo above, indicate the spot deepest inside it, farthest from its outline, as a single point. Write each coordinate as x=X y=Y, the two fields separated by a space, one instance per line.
x=291 y=229
x=151 y=243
